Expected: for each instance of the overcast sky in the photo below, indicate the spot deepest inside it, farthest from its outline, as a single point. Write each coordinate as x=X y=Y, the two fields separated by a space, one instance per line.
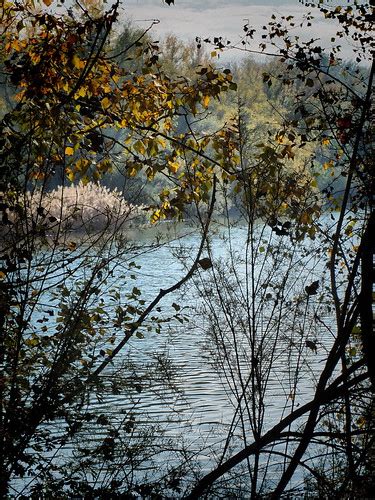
x=191 y=18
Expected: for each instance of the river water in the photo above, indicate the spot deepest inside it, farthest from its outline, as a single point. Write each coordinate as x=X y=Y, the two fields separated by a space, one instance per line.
x=192 y=384
x=204 y=403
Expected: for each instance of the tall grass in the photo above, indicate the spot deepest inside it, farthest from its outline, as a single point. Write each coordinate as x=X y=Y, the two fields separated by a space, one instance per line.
x=84 y=207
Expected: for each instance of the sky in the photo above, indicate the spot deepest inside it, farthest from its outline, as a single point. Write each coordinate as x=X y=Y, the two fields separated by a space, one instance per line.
x=190 y=18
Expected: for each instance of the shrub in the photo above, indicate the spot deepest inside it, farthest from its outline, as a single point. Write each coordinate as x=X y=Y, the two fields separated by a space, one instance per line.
x=84 y=207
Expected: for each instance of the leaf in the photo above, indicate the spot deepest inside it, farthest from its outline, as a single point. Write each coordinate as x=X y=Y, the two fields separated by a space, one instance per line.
x=361 y=422
x=77 y=62
x=70 y=174
x=206 y=101
x=173 y=166
x=309 y=82
x=288 y=152
x=33 y=342
x=356 y=330
x=156 y=216
x=312 y=289
x=47 y=2
x=72 y=245
x=139 y=147
x=205 y=263
x=311 y=345
x=105 y=103
x=69 y=151
x=352 y=352
x=280 y=137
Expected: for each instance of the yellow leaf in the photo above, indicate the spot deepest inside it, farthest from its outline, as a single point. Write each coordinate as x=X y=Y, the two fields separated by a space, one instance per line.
x=139 y=147
x=16 y=45
x=70 y=174
x=287 y=151
x=105 y=166
x=155 y=216
x=305 y=218
x=173 y=166
x=280 y=138
x=206 y=101
x=328 y=165
x=82 y=165
x=72 y=245
x=325 y=141
x=162 y=142
x=361 y=422
x=77 y=62
x=69 y=151
x=81 y=92
x=47 y=2
x=31 y=342
x=37 y=175
x=236 y=159
x=35 y=58
x=105 y=103
x=167 y=126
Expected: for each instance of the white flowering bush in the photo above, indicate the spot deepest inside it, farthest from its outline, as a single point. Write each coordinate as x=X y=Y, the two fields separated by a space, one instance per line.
x=84 y=207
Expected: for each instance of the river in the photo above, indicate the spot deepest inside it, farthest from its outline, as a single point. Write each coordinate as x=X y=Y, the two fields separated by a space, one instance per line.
x=193 y=384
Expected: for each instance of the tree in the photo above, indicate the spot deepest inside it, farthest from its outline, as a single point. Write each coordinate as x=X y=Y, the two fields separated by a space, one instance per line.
x=331 y=110
x=80 y=109
x=83 y=109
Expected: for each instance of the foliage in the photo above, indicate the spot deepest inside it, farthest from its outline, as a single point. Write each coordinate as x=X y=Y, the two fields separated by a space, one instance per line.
x=80 y=109
x=86 y=105
x=78 y=94
x=248 y=308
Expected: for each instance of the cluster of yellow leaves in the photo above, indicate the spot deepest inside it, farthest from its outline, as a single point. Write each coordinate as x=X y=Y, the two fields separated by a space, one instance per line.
x=79 y=95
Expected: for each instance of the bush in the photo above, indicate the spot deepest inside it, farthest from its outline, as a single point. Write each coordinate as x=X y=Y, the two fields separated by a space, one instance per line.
x=84 y=207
